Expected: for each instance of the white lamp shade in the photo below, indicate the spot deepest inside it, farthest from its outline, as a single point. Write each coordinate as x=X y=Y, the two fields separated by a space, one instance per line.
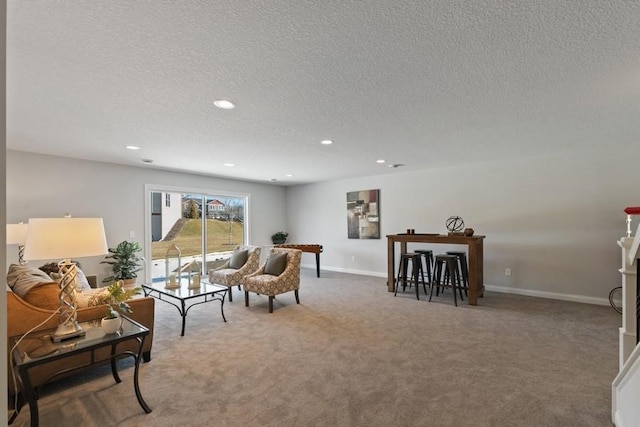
x=16 y=234
x=58 y=238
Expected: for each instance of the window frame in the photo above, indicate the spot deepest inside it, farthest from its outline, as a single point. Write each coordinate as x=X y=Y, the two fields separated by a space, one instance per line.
x=151 y=188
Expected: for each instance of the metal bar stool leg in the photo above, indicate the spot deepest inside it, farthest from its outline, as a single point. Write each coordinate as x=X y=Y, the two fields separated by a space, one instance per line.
x=437 y=271
x=424 y=284
x=451 y=268
x=416 y=268
x=401 y=277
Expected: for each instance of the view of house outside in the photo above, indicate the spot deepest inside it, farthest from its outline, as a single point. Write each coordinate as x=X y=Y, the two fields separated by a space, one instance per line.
x=193 y=227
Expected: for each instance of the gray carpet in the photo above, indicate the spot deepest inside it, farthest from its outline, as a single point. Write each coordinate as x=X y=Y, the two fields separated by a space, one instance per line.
x=352 y=354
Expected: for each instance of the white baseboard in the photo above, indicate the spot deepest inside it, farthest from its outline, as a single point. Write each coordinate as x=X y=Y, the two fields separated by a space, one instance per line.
x=344 y=270
x=549 y=295
x=492 y=288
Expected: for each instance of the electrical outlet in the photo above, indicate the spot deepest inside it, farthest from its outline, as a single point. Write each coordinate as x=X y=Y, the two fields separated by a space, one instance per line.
x=132 y=234
x=507 y=272
x=353 y=258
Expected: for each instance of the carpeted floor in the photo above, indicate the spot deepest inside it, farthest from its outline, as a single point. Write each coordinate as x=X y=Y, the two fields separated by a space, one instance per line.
x=352 y=354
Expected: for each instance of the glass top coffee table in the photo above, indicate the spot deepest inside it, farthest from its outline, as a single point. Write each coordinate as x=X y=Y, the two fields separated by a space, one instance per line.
x=179 y=297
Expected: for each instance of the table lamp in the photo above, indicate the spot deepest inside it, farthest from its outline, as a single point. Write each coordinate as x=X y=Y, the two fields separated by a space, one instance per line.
x=66 y=238
x=17 y=235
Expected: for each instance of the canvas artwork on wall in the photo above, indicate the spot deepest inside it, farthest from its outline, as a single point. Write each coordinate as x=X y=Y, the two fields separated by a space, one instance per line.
x=363 y=217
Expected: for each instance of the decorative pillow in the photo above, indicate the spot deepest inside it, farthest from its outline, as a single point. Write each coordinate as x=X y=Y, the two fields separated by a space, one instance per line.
x=50 y=267
x=82 y=284
x=276 y=264
x=22 y=278
x=91 y=297
x=238 y=259
x=81 y=281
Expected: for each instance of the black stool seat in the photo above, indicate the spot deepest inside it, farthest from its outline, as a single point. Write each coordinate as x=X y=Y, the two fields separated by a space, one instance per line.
x=464 y=268
x=446 y=275
x=415 y=260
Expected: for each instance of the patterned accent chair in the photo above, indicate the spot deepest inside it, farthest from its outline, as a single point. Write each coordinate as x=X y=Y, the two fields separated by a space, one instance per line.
x=227 y=276
x=270 y=285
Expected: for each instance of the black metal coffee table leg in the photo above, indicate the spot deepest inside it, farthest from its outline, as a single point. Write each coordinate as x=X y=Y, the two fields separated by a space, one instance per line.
x=183 y=313
x=222 y=305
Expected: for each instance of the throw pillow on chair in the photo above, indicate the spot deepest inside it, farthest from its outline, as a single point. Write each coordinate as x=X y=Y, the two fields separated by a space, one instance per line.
x=238 y=259
x=276 y=264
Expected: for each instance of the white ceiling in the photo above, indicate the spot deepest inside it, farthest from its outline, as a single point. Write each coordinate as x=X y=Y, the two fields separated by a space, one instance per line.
x=421 y=83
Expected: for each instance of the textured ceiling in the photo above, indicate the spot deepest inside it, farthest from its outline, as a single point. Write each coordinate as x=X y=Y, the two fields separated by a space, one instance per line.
x=421 y=83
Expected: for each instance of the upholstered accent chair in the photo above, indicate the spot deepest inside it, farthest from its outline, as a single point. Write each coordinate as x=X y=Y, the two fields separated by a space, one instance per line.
x=244 y=260
x=279 y=274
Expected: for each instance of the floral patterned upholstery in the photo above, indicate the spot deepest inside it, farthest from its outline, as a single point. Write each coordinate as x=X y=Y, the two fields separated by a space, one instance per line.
x=230 y=277
x=266 y=284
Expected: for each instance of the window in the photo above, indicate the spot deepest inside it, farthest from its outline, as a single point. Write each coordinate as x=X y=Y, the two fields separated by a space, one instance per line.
x=204 y=227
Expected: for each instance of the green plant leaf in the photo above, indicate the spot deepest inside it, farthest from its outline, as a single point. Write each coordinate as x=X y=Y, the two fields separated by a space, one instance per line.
x=124 y=261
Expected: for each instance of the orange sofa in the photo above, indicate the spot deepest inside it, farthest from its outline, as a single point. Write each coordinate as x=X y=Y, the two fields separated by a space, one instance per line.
x=22 y=316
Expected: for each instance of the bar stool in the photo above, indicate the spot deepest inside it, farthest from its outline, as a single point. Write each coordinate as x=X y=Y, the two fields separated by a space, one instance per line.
x=428 y=258
x=446 y=275
x=416 y=271
x=464 y=268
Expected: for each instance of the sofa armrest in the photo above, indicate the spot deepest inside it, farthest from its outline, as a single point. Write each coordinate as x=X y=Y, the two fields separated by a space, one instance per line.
x=143 y=312
x=22 y=316
x=222 y=267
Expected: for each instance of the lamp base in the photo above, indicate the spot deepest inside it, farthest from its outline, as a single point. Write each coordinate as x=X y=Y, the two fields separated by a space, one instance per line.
x=66 y=331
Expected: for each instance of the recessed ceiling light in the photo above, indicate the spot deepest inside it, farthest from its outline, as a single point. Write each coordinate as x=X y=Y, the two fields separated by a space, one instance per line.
x=225 y=104
x=289 y=175
x=395 y=165
x=132 y=147
x=230 y=165
x=147 y=161
x=272 y=179
x=327 y=142
x=380 y=161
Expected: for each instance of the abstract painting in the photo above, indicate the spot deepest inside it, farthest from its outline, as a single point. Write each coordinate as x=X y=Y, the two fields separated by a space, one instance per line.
x=363 y=214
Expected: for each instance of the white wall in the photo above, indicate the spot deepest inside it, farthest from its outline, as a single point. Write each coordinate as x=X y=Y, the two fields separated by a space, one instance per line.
x=553 y=220
x=47 y=186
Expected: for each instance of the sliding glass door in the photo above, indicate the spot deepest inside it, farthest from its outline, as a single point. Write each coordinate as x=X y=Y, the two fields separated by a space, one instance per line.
x=192 y=231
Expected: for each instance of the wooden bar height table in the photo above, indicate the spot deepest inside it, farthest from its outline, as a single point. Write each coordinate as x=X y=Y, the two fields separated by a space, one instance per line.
x=476 y=257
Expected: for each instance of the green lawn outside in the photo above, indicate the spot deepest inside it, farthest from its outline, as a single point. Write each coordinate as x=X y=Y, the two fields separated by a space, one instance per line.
x=189 y=239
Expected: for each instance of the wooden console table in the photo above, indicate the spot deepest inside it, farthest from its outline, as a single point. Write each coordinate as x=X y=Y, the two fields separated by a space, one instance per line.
x=476 y=257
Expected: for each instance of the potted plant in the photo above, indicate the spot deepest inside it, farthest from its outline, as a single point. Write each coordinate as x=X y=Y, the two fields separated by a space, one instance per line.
x=125 y=263
x=279 y=237
x=115 y=296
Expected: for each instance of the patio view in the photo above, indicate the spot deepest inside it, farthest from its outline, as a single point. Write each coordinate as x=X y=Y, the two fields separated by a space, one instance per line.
x=203 y=228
